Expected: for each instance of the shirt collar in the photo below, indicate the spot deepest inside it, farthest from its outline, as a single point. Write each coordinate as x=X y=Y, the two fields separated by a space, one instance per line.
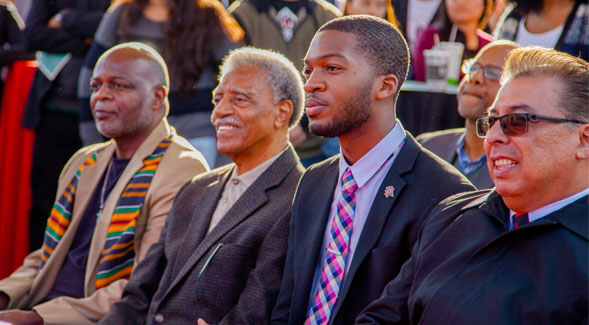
x=465 y=164
x=548 y=209
x=249 y=177
x=365 y=168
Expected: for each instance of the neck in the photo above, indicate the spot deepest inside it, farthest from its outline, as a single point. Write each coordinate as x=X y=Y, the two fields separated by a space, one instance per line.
x=469 y=30
x=157 y=11
x=473 y=145
x=127 y=146
x=357 y=143
x=249 y=161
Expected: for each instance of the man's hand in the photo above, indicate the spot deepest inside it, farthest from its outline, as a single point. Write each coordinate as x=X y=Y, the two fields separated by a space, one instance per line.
x=202 y=322
x=297 y=135
x=4 y=300
x=21 y=317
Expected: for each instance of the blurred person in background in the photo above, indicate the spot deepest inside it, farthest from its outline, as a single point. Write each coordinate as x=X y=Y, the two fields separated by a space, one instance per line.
x=62 y=31
x=414 y=15
x=287 y=26
x=499 y=8
x=378 y=8
x=193 y=36
x=462 y=147
x=11 y=46
x=455 y=21
x=558 y=24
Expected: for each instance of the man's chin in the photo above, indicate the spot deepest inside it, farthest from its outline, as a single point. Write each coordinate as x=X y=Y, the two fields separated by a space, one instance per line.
x=327 y=131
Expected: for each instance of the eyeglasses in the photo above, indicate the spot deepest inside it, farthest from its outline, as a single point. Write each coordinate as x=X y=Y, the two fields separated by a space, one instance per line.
x=515 y=123
x=470 y=68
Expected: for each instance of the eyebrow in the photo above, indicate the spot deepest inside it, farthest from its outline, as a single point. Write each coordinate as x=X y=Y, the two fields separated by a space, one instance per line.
x=111 y=78
x=236 y=90
x=325 y=56
x=512 y=108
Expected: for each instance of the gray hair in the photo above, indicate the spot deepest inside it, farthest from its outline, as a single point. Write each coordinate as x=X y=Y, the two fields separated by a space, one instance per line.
x=285 y=80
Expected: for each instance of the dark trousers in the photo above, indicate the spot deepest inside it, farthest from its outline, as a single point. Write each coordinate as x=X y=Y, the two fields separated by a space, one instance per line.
x=56 y=140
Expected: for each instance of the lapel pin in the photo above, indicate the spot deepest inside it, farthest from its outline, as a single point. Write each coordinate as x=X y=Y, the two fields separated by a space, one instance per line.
x=388 y=192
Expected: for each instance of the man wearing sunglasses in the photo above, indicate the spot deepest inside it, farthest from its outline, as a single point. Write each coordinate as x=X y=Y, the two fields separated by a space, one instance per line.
x=462 y=147
x=516 y=254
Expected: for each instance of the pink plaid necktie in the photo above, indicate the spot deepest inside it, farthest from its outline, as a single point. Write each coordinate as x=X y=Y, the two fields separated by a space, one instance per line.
x=334 y=265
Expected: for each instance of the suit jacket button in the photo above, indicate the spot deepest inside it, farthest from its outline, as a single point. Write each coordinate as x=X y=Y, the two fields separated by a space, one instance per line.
x=158 y=318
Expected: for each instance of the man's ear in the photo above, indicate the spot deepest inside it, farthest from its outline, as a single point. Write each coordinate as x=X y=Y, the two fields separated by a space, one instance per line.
x=159 y=95
x=387 y=86
x=583 y=149
x=284 y=114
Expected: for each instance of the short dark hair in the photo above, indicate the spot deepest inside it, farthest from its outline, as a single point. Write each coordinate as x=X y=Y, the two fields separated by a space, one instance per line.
x=571 y=72
x=384 y=45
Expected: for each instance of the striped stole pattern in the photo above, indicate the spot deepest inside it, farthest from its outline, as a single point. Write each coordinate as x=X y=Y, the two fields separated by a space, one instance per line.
x=117 y=257
x=61 y=213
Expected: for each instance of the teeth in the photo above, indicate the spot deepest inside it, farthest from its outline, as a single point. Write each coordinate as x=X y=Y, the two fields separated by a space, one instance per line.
x=225 y=127
x=504 y=163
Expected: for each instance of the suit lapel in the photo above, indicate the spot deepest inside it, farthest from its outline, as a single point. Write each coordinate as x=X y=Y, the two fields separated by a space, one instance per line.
x=250 y=201
x=314 y=215
x=380 y=212
x=161 y=131
x=200 y=217
x=86 y=184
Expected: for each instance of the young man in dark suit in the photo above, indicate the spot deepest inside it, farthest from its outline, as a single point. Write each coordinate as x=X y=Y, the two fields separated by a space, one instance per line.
x=516 y=254
x=349 y=238
x=221 y=255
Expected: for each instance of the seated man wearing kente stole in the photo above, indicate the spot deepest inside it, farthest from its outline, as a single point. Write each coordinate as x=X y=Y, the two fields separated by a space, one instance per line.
x=113 y=197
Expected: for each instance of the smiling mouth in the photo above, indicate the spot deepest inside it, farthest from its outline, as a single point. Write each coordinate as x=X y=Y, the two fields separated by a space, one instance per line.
x=504 y=163
x=226 y=127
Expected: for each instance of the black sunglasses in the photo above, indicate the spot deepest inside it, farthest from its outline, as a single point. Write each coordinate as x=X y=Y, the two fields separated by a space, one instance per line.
x=515 y=123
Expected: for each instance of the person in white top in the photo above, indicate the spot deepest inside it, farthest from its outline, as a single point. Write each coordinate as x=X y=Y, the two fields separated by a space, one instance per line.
x=558 y=24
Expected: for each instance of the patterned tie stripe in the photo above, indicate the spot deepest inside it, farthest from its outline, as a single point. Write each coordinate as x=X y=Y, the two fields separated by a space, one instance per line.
x=117 y=257
x=61 y=214
x=337 y=252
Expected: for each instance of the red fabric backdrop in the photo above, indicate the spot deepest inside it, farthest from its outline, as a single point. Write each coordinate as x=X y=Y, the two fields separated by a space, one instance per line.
x=16 y=150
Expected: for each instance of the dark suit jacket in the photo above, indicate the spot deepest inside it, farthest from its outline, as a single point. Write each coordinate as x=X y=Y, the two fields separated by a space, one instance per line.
x=232 y=275
x=443 y=143
x=469 y=268
x=421 y=180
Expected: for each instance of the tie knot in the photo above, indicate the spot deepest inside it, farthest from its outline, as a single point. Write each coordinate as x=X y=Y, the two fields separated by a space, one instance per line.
x=348 y=183
x=520 y=219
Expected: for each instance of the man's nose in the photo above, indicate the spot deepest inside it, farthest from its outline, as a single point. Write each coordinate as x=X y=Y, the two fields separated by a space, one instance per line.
x=495 y=134
x=102 y=92
x=314 y=83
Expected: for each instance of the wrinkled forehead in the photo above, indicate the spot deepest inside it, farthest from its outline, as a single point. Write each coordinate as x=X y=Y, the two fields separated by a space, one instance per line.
x=244 y=78
x=529 y=94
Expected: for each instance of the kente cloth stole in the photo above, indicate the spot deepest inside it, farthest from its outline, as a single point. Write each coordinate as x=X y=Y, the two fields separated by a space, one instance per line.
x=117 y=257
